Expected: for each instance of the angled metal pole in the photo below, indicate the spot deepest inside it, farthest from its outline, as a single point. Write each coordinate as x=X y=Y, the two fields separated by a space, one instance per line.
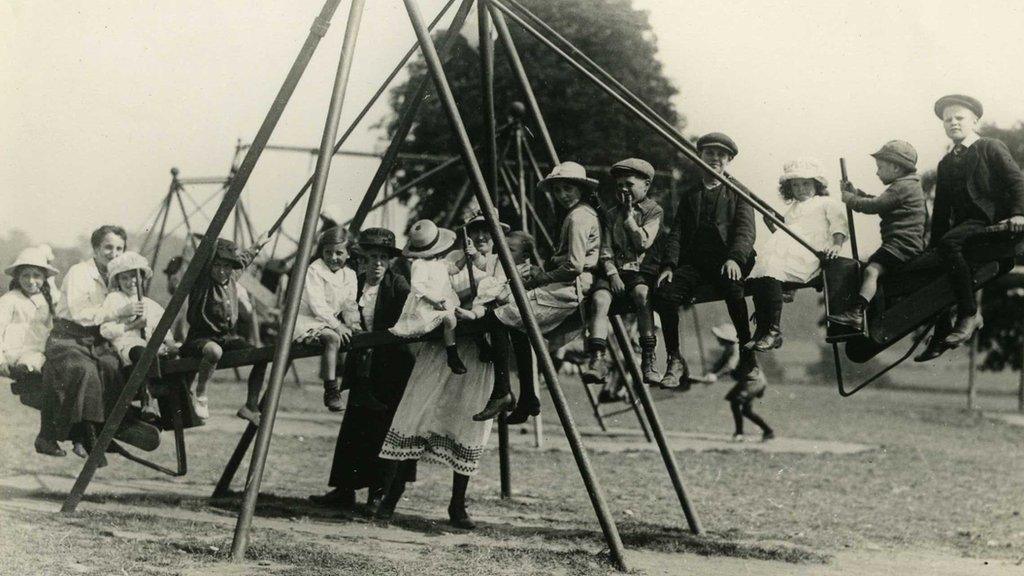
x=359 y=117
x=153 y=224
x=669 y=135
x=405 y=121
x=604 y=516
x=652 y=418
x=524 y=82
x=184 y=218
x=296 y=284
x=203 y=254
x=620 y=369
x=633 y=98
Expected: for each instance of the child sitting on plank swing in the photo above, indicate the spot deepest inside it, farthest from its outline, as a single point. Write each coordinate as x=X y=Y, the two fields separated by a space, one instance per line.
x=26 y=315
x=212 y=317
x=328 y=313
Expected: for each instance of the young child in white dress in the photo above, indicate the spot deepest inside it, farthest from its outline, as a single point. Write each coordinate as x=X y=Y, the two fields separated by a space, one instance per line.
x=26 y=314
x=432 y=299
x=129 y=336
x=815 y=217
x=328 y=312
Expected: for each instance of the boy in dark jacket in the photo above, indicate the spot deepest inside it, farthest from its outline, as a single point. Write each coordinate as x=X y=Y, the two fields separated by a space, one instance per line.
x=212 y=315
x=902 y=210
x=978 y=184
x=711 y=241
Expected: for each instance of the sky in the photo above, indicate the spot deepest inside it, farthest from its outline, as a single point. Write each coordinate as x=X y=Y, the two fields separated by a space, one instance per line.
x=100 y=99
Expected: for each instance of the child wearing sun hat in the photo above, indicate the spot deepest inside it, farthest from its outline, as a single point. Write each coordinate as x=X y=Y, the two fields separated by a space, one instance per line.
x=26 y=313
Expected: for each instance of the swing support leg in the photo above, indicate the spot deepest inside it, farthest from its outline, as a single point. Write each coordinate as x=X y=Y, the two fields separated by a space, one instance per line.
x=223 y=487
x=659 y=435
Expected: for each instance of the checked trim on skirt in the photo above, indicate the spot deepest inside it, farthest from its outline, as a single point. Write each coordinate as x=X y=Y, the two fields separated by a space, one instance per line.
x=442 y=449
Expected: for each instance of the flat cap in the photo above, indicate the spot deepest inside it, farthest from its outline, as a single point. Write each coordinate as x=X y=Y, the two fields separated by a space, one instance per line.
x=718 y=140
x=972 y=104
x=898 y=152
x=228 y=251
x=633 y=165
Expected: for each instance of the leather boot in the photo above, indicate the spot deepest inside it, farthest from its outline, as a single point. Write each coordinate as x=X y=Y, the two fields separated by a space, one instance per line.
x=596 y=371
x=494 y=407
x=676 y=374
x=772 y=336
x=852 y=318
x=964 y=330
x=332 y=396
x=648 y=358
x=525 y=408
x=459 y=517
x=49 y=447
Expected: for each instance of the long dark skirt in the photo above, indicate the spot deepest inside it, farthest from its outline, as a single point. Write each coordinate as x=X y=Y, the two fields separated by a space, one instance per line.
x=356 y=461
x=83 y=379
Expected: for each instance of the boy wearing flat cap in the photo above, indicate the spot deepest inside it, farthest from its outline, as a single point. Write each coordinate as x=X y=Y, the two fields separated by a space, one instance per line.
x=711 y=242
x=632 y=225
x=978 y=184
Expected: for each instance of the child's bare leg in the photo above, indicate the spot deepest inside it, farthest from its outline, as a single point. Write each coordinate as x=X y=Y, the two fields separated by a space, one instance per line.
x=454 y=361
x=254 y=385
x=331 y=341
x=211 y=356
x=596 y=371
x=869 y=286
x=854 y=317
x=648 y=339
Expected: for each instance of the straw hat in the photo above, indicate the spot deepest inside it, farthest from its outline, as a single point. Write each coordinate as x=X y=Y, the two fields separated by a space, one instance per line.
x=128 y=261
x=426 y=240
x=725 y=332
x=31 y=257
x=803 y=168
x=569 y=172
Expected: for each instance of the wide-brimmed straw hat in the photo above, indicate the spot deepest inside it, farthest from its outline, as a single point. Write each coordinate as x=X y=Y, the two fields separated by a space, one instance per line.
x=478 y=222
x=725 y=332
x=128 y=261
x=31 y=257
x=378 y=238
x=803 y=168
x=569 y=172
x=426 y=239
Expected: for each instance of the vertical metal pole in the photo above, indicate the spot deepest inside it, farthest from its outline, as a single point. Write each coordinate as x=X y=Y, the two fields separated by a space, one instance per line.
x=659 y=435
x=972 y=364
x=296 y=284
x=521 y=179
x=849 y=214
x=604 y=516
x=1020 y=382
x=141 y=368
x=405 y=121
x=490 y=167
x=538 y=423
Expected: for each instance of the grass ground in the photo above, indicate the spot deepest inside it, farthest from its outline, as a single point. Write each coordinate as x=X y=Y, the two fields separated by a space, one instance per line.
x=938 y=481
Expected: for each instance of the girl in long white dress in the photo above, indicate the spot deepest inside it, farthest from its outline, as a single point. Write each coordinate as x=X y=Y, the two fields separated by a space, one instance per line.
x=814 y=216
x=432 y=299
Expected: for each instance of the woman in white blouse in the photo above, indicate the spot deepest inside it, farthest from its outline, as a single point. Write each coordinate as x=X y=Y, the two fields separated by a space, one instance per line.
x=82 y=373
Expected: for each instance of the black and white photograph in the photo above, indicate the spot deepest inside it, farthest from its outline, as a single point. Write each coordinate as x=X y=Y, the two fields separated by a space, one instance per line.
x=511 y=287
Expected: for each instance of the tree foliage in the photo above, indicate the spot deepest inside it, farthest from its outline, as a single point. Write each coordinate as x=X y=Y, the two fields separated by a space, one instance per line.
x=1003 y=302
x=586 y=125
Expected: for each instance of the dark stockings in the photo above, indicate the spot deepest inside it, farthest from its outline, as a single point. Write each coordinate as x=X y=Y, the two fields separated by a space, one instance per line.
x=745 y=408
x=669 y=314
x=460 y=482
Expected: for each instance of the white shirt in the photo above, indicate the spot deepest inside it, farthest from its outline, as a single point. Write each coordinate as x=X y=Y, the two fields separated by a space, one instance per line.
x=328 y=293
x=368 y=304
x=968 y=140
x=24 y=324
x=83 y=291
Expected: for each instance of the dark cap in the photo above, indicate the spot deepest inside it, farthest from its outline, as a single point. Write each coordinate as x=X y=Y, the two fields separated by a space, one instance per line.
x=971 y=104
x=636 y=166
x=378 y=238
x=228 y=251
x=898 y=152
x=718 y=140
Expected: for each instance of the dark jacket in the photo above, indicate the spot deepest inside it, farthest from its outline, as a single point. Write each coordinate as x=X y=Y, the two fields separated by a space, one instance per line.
x=903 y=214
x=356 y=461
x=212 y=307
x=995 y=184
x=734 y=220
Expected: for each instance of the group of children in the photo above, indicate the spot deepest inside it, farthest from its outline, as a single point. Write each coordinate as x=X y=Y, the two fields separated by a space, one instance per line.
x=621 y=253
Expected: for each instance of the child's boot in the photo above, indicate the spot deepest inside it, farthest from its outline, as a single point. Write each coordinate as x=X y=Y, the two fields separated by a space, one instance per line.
x=48 y=447
x=771 y=337
x=332 y=395
x=648 y=358
x=454 y=361
x=852 y=318
x=596 y=371
x=677 y=373
x=964 y=329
